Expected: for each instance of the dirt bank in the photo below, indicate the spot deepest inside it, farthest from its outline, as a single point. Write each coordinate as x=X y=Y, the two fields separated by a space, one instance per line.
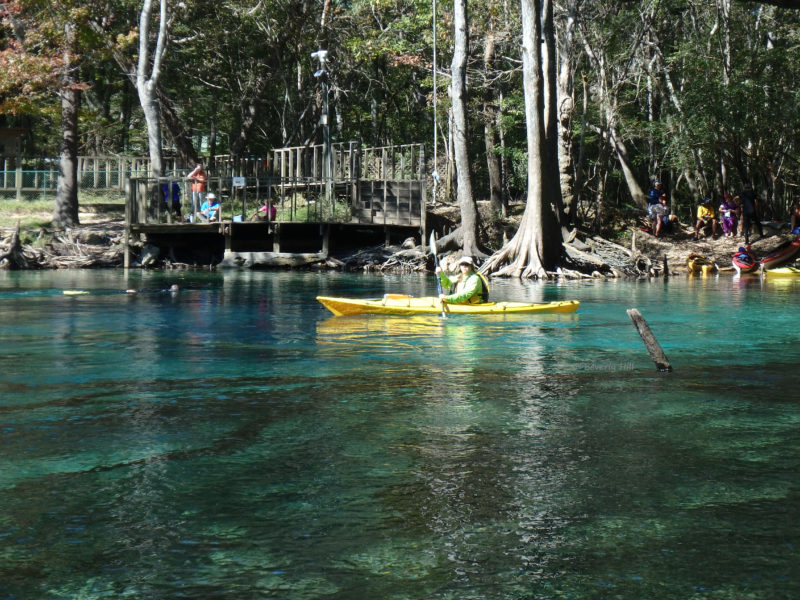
x=632 y=252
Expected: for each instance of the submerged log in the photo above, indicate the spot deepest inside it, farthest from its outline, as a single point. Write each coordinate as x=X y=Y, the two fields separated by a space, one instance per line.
x=270 y=259
x=653 y=348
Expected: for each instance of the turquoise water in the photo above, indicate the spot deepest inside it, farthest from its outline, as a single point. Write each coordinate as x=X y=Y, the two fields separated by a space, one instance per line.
x=235 y=441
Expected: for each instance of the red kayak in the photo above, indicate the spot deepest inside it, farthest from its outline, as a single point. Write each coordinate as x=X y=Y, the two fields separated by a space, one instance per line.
x=744 y=261
x=781 y=256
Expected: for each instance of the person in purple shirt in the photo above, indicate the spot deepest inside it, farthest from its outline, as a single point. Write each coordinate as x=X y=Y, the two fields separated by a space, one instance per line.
x=728 y=212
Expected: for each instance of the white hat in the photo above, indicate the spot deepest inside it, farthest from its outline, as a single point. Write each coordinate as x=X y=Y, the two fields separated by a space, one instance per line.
x=211 y=195
x=465 y=260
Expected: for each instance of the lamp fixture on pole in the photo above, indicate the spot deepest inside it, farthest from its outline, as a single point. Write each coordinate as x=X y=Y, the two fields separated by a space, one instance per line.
x=322 y=74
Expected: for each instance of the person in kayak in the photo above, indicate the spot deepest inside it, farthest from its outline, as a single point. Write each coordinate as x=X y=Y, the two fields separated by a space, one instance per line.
x=468 y=287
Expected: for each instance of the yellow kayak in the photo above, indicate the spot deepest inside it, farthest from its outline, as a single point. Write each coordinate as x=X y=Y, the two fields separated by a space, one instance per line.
x=696 y=263
x=400 y=304
x=782 y=272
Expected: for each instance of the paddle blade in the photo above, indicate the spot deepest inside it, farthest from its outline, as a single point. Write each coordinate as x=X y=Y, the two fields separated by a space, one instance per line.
x=433 y=243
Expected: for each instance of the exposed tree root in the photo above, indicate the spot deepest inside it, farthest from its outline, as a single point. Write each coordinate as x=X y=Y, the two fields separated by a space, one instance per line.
x=9 y=259
x=517 y=259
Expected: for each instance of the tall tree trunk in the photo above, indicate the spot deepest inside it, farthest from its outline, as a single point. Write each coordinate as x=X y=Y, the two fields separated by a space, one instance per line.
x=173 y=124
x=566 y=106
x=537 y=246
x=450 y=171
x=636 y=191
x=490 y=122
x=579 y=168
x=552 y=188
x=148 y=72
x=601 y=171
x=65 y=212
x=250 y=109
x=504 y=177
x=608 y=105
x=458 y=86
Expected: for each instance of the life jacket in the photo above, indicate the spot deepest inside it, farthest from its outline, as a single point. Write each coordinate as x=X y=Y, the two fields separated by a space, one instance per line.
x=482 y=296
x=484 y=293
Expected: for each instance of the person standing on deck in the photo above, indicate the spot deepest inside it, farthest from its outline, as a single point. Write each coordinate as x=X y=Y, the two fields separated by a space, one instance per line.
x=199 y=185
x=662 y=221
x=467 y=287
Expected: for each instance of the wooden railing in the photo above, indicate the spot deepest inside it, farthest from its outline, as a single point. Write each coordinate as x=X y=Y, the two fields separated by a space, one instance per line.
x=367 y=185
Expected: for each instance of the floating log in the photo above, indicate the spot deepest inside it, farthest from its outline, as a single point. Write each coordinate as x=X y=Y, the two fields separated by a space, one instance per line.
x=653 y=348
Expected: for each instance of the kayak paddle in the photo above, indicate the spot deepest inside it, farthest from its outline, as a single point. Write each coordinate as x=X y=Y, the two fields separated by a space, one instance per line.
x=436 y=260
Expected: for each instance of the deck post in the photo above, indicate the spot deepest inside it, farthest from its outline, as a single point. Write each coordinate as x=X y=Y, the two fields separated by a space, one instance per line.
x=227 y=231
x=326 y=238
x=126 y=261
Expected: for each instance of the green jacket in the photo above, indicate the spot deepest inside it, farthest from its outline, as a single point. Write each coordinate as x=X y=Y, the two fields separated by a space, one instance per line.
x=470 y=291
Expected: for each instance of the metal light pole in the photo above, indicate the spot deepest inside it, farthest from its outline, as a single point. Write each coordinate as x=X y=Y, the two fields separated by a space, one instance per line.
x=322 y=73
x=435 y=173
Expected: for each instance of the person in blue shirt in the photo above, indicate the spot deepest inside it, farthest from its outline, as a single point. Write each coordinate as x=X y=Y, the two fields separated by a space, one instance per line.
x=210 y=207
x=653 y=199
x=172 y=192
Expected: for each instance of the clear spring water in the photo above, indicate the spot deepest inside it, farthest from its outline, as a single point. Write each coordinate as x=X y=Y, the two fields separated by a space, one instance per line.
x=235 y=441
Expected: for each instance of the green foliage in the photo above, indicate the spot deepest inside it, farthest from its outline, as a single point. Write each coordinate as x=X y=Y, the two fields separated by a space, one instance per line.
x=688 y=87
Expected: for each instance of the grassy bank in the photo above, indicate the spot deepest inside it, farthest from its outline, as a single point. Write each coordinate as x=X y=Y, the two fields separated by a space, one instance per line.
x=35 y=212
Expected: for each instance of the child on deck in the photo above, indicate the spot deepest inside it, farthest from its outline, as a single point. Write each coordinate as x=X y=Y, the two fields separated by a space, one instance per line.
x=266 y=213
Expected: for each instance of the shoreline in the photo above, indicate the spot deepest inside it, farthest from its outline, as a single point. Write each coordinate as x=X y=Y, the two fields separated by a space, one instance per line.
x=99 y=244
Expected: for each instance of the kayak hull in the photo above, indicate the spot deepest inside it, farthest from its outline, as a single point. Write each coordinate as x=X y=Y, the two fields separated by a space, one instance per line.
x=783 y=272
x=744 y=263
x=396 y=304
x=781 y=256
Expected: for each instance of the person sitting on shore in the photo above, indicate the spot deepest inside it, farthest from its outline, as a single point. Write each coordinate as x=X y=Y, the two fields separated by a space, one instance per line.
x=728 y=211
x=654 y=196
x=794 y=222
x=467 y=287
x=661 y=219
x=705 y=216
x=209 y=208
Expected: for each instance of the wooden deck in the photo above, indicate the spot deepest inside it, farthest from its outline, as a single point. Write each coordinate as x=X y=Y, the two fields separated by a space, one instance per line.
x=261 y=244
x=375 y=195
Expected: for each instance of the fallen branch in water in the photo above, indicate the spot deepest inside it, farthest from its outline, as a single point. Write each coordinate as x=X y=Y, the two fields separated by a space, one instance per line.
x=653 y=348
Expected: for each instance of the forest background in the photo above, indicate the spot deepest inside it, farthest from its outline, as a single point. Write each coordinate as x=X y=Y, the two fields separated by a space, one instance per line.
x=701 y=95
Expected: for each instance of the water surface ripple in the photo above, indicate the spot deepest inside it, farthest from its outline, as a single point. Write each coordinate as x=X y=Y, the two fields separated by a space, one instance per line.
x=234 y=440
